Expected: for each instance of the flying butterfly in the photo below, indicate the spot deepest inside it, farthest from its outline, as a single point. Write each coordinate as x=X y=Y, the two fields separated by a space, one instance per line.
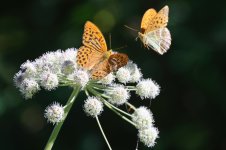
x=154 y=33
x=95 y=56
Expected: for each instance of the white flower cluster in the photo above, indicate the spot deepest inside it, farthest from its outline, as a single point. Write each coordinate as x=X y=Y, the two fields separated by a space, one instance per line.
x=59 y=68
x=49 y=71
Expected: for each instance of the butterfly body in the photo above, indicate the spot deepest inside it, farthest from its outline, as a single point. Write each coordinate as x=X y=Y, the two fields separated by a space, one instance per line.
x=154 y=33
x=94 y=55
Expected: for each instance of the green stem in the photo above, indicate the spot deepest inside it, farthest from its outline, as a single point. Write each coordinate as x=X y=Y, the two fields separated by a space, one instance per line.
x=102 y=131
x=131 y=106
x=58 y=126
x=123 y=112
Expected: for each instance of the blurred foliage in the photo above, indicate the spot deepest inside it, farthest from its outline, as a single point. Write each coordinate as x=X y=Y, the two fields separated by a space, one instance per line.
x=191 y=109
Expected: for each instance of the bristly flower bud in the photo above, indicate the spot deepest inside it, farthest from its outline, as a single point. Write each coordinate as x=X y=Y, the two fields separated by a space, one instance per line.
x=135 y=72
x=123 y=75
x=118 y=95
x=28 y=68
x=68 y=67
x=142 y=117
x=49 y=80
x=147 y=89
x=148 y=136
x=29 y=87
x=54 y=113
x=80 y=77
x=93 y=107
x=108 y=79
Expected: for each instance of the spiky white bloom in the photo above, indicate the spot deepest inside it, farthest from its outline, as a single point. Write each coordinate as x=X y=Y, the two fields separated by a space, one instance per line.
x=135 y=72
x=123 y=75
x=29 y=87
x=28 y=68
x=147 y=88
x=68 y=67
x=148 y=136
x=142 y=117
x=80 y=77
x=18 y=79
x=108 y=79
x=54 y=113
x=70 y=54
x=49 y=80
x=118 y=95
x=50 y=61
x=52 y=57
x=93 y=107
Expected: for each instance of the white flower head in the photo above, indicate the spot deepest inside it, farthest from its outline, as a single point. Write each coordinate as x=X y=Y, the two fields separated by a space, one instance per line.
x=49 y=80
x=80 y=77
x=118 y=94
x=68 y=67
x=123 y=75
x=93 y=107
x=54 y=113
x=135 y=72
x=142 y=117
x=53 y=57
x=147 y=88
x=28 y=68
x=108 y=79
x=70 y=54
x=29 y=87
x=18 y=79
x=148 y=136
x=50 y=61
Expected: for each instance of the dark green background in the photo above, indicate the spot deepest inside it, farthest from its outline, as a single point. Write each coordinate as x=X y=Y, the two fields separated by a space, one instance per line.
x=191 y=108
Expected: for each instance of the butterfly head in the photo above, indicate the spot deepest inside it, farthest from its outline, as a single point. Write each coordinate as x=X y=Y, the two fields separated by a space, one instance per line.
x=141 y=36
x=107 y=54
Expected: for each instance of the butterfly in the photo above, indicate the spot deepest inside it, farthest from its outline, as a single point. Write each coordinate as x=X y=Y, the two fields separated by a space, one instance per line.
x=95 y=56
x=154 y=33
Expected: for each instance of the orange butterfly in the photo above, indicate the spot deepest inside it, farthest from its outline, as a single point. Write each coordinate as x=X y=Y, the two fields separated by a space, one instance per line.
x=153 y=32
x=95 y=56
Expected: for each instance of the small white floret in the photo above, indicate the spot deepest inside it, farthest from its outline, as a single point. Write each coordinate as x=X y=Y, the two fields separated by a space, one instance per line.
x=148 y=136
x=49 y=80
x=54 y=113
x=142 y=117
x=123 y=75
x=118 y=95
x=29 y=87
x=93 y=107
x=147 y=89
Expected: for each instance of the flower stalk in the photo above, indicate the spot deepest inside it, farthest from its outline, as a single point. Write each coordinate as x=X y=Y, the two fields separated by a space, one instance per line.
x=58 y=126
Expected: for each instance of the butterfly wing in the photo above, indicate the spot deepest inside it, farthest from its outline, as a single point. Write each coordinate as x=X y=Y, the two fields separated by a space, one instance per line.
x=159 y=40
x=113 y=63
x=101 y=70
x=117 y=60
x=160 y=20
x=87 y=57
x=93 y=38
x=147 y=17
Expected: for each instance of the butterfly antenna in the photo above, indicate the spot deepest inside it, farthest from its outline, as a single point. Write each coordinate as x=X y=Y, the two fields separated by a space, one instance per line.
x=131 y=28
x=110 y=40
x=137 y=145
x=120 y=47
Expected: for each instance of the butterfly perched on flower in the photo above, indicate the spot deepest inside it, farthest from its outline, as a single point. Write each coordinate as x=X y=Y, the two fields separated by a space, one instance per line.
x=95 y=56
x=154 y=33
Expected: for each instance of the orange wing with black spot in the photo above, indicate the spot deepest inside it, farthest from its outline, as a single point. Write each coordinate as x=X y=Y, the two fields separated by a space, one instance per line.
x=160 y=20
x=93 y=38
x=147 y=17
